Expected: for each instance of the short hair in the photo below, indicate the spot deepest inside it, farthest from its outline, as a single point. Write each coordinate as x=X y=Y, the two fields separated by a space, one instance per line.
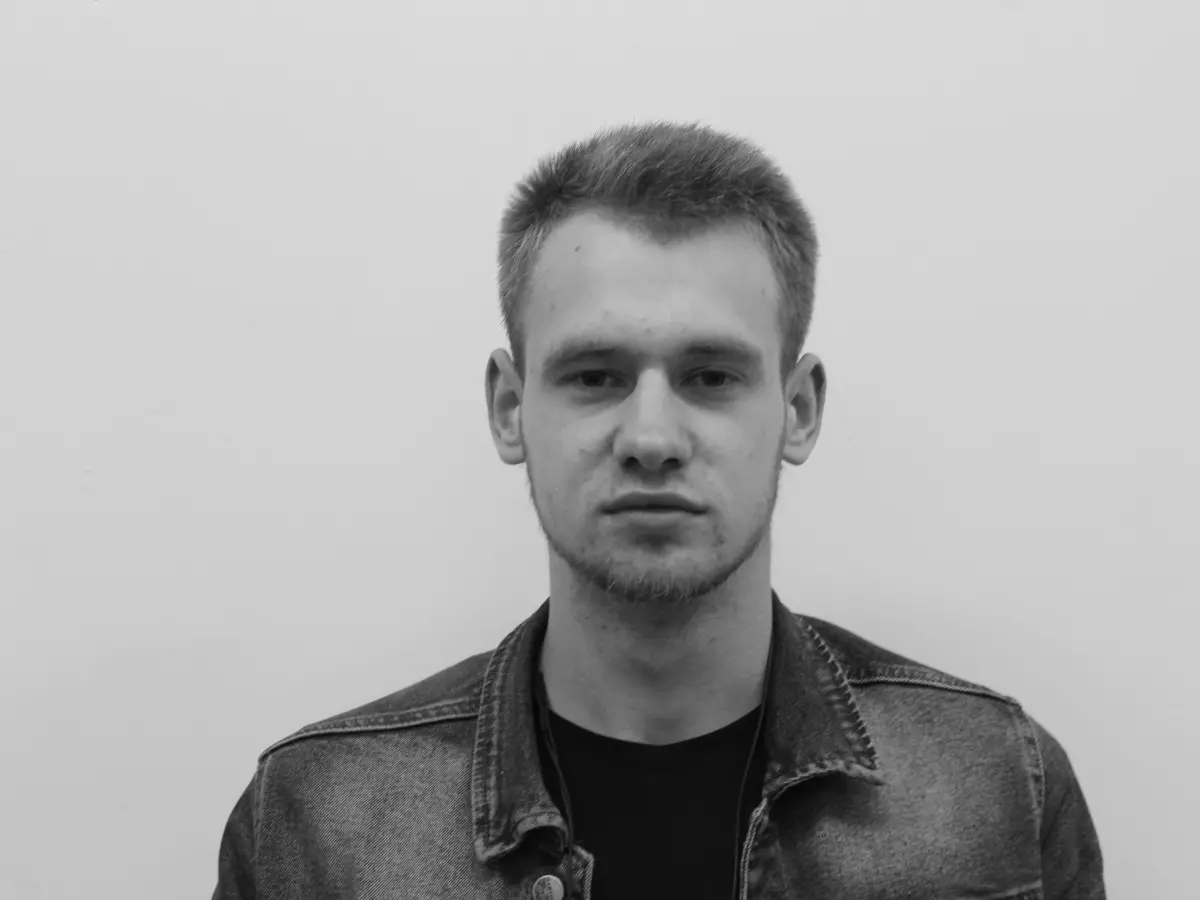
x=669 y=181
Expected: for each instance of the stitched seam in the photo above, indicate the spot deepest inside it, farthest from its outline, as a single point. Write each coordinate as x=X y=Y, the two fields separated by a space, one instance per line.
x=368 y=725
x=1020 y=893
x=415 y=715
x=1041 y=768
x=886 y=671
x=260 y=778
x=860 y=727
x=485 y=776
x=940 y=684
x=1035 y=767
x=487 y=717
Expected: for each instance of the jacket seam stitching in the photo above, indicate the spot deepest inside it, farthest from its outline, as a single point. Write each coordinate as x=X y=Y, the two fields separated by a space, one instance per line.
x=1041 y=762
x=485 y=776
x=859 y=726
x=440 y=712
x=483 y=780
x=1032 y=748
x=1020 y=893
x=960 y=688
x=260 y=778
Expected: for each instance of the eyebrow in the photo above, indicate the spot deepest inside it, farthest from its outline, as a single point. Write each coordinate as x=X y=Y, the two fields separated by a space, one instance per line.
x=578 y=350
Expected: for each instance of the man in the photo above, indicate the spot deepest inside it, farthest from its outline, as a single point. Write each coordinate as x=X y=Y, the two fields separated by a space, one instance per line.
x=663 y=726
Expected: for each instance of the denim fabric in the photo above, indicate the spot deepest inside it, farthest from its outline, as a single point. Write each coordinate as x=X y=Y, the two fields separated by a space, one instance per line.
x=885 y=779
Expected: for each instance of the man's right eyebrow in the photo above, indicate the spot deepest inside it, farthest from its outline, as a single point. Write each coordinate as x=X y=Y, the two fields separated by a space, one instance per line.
x=716 y=347
x=579 y=349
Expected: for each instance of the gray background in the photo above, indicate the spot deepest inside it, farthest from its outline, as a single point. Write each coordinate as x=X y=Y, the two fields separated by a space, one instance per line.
x=247 y=297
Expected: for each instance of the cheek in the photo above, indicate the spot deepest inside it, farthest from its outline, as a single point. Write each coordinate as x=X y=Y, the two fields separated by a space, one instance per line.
x=753 y=443
x=562 y=475
x=750 y=467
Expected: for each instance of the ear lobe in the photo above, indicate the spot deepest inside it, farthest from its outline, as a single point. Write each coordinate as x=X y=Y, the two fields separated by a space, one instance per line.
x=504 y=409
x=806 y=407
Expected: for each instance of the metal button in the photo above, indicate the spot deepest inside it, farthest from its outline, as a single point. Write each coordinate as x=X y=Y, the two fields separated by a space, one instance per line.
x=548 y=887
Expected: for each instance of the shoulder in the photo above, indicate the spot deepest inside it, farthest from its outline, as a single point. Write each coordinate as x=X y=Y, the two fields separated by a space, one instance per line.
x=865 y=663
x=446 y=697
x=910 y=708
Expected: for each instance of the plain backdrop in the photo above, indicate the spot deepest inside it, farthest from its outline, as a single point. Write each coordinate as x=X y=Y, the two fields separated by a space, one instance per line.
x=247 y=295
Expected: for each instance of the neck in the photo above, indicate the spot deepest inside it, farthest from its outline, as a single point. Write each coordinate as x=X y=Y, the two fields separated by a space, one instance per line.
x=653 y=675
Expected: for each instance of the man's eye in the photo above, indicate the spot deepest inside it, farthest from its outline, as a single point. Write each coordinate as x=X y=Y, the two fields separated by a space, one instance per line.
x=594 y=376
x=709 y=378
x=709 y=373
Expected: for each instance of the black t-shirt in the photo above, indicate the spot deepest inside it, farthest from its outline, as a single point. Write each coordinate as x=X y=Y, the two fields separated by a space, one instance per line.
x=661 y=820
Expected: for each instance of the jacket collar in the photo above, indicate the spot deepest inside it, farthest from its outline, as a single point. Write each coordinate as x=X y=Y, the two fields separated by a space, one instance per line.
x=812 y=727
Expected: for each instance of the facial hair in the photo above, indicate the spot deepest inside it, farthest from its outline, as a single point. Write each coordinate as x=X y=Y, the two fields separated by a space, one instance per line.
x=661 y=586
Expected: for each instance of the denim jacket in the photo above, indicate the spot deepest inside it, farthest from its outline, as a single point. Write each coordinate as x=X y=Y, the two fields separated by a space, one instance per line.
x=885 y=779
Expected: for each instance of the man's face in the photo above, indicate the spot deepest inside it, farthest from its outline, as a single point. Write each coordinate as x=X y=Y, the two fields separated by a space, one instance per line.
x=650 y=408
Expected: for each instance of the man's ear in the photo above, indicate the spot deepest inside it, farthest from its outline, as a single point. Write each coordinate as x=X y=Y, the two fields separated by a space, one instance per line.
x=805 y=395
x=504 y=391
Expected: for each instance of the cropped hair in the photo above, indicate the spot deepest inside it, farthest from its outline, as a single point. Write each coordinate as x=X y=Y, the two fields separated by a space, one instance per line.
x=668 y=181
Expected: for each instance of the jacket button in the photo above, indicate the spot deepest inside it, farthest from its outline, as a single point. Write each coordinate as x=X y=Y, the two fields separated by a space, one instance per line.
x=548 y=887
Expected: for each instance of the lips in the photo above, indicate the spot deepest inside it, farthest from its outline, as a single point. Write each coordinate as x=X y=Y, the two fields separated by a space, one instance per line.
x=641 y=501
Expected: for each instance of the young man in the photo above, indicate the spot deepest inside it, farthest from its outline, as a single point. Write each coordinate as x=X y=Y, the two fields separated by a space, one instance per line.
x=663 y=726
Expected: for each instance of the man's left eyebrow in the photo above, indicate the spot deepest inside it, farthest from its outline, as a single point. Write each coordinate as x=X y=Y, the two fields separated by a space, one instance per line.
x=737 y=351
x=725 y=349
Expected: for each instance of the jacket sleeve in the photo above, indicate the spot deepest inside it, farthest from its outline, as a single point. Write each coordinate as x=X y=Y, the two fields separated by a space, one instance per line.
x=236 y=858
x=1072 y=868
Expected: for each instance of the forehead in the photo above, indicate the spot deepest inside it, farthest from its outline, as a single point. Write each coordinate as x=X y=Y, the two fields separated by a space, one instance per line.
x=598 y=280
